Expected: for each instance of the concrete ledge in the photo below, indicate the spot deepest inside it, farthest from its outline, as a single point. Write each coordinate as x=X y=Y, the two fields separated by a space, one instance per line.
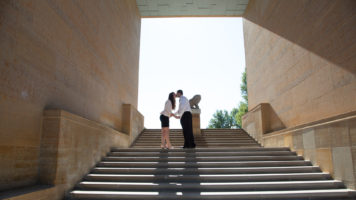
x=261 y=120
x=71 y=146
x=133 y=122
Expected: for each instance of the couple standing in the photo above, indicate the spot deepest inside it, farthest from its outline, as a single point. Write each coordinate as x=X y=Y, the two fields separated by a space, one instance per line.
x=184 y=113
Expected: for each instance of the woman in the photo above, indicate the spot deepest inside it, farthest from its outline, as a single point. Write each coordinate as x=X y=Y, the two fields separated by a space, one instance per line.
x=165 y=115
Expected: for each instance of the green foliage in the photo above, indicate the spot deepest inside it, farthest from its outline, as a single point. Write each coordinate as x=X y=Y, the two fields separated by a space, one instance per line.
x=223 y=119
x=243 y=86
x=243 y=108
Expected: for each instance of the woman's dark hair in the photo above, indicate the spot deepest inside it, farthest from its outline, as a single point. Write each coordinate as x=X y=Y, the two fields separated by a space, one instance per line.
x=172 y=99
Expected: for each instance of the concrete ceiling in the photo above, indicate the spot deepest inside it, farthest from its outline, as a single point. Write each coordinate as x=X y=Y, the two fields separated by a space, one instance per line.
x=188 y=8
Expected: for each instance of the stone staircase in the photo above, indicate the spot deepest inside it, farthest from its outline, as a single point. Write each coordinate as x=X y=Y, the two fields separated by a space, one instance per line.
x=209 y=138
x=230 y=166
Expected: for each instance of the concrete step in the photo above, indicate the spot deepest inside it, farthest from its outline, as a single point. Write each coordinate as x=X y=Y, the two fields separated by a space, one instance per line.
x=197 y=136
x=201 y=135
x=216 y=164
x=234 y=166
x=158 y=139
x=202 y=146
x=198 y=159
x=209 y=177
x=216 y=186
x=197 y=154
x=198 y=171
x=203 y=130
x=197 y=139
x=154 y=144
x=233 y=150
x=287 y=194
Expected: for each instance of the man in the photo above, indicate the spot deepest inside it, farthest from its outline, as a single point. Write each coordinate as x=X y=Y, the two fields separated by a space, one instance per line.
x=185 y=114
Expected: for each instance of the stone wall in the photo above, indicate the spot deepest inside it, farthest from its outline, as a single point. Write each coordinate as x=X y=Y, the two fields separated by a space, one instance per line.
x=80 y=56
x=301 y=58
x=133 y=121
x=261 y=120
x=331 y=144
x=71 y=146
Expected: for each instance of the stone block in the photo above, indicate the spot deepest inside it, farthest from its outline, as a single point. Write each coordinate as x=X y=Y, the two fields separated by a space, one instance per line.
x=310 y=154
x=343 y=164
x=81 y=143
x=340 y=134
x=352 y=131
x=309 y=139
x=323 y=137
x=298 y=140
x=324 y=160
x=196 y=122
x=133 y=122
x=300 y=152
x=288 y=141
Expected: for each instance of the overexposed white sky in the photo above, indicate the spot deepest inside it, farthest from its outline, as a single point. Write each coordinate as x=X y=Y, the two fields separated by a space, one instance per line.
x=198 y=55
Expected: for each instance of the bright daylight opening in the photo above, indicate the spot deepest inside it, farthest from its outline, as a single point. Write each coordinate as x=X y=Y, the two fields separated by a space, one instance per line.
x=198 y=55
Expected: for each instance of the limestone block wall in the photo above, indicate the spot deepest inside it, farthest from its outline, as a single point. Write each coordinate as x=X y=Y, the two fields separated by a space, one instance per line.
x=71 y=146
x=133 y=121
x=331 y=144
x=301 y=61
x=261 y=120
x=80 y=56
x=301 y=58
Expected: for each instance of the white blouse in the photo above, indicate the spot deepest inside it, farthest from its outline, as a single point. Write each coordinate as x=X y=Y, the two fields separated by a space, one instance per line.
x=167 y=109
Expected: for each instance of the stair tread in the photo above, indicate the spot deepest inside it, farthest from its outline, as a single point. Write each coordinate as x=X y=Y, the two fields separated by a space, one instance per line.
x=227 y=164
x=216 y=186
x=219 y=195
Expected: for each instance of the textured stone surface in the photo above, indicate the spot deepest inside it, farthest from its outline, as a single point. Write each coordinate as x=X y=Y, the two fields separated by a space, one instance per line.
x=326 y=144
x=260 y=120
x=196 y=121
x=301 y=58
x=309 y=139
x=71 y=146
x=169 y=8
x=343 y=164
x=81 y=56
x=38 y=192
x=133 y=121
x=325 y=160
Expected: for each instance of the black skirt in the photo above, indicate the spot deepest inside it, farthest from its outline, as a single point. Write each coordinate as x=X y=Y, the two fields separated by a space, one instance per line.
x=164 y=121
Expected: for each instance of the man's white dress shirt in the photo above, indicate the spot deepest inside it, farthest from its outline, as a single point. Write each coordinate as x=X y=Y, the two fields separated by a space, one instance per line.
x=184 y=106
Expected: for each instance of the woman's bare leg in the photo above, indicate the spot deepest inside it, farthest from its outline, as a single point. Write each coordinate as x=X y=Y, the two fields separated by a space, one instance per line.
x=163 y=138
x=168 y=142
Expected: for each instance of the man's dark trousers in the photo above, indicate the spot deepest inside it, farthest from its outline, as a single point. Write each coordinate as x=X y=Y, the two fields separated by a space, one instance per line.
x=186 y=122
